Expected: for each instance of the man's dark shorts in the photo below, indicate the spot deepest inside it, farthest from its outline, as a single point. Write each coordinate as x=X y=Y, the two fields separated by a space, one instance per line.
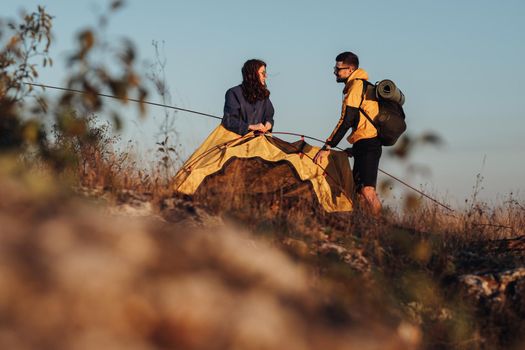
x=366 y=162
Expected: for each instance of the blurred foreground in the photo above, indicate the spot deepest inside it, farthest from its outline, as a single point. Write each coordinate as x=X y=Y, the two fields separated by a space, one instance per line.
x=75 y=276
x=130 y=271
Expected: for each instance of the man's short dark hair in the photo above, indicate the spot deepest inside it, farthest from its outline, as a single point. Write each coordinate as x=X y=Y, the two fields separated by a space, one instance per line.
x=348 y=58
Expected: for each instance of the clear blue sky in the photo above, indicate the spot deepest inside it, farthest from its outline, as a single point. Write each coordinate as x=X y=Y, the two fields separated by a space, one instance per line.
x=460 y=64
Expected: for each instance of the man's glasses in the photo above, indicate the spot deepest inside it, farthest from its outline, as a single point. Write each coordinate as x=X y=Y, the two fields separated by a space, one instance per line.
x=337 y=69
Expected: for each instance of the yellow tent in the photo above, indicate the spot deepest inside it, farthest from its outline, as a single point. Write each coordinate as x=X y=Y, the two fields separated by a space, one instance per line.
x=261 y=164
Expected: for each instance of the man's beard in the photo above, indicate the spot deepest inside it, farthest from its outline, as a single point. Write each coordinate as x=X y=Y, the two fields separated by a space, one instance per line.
x=340 y=80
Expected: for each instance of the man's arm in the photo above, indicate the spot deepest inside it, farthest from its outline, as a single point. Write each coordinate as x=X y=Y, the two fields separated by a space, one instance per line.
x=348 y=119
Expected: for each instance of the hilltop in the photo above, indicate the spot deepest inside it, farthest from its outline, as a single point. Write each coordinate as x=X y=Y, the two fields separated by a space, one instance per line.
x=129 y=270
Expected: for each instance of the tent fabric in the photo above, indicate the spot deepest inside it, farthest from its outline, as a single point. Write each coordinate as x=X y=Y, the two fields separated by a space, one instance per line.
x=331 y=180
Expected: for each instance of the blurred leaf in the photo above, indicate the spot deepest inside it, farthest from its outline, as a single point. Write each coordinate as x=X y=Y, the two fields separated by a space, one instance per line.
x=71 y=125
x=412 y=202
x=142 y=98
x=431 y=138
x=33 y=70
x=402 y=148
x=86 y=40
x=66 y=98
x=117 y=121
x=128 y=55
x=386 y=186
x=116 y=4
x=31 y=132
x=41 y=107
x=72 y=59
x=119 y=89
x=91 y=97
x=133 y=79
x=13 y=42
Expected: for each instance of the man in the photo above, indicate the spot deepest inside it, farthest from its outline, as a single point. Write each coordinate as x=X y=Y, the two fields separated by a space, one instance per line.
x=366 y=148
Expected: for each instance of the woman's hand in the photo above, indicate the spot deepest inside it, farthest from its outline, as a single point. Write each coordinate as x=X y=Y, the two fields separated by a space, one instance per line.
x=260 y=127
x=257 y=127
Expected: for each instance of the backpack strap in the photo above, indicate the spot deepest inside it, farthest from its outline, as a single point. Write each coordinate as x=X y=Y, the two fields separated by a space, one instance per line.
x=365 y=86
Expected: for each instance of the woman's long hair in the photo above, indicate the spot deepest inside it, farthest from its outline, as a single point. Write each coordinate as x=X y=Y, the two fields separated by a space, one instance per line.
x=252 y=89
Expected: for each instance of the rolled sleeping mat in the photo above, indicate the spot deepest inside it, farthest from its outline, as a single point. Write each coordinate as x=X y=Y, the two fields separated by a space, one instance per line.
x=387 y=90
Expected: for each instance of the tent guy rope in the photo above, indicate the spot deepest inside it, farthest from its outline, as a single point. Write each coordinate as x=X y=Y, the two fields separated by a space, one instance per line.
x=216 y=117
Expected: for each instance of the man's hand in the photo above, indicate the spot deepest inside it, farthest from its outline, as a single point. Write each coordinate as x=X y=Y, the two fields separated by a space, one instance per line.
x=321 y=155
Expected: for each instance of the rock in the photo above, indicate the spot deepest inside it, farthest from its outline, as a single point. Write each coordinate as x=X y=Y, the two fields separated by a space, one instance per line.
x=353 y=257
x=186 y=213
x=493 y=288
x=132 y=209
x=297 y=247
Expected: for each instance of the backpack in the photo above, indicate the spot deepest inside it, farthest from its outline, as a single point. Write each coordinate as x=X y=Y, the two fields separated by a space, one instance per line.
x=390 y=121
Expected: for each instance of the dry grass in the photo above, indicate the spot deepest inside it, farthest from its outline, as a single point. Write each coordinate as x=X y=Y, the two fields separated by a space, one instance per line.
x=399 y=274
x=413 y=261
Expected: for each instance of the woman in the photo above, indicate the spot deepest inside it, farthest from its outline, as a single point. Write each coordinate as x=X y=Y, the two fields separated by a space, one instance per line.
x=247 y=106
